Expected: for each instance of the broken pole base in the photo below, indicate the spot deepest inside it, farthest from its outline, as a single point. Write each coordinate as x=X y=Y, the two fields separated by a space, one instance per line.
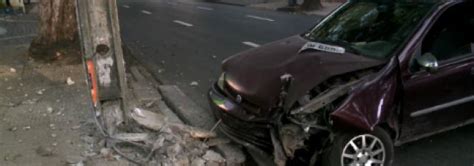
x=112 y=116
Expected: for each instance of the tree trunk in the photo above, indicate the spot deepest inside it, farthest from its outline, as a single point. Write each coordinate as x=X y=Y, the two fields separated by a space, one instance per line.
x=58 y=28
x=311 y=5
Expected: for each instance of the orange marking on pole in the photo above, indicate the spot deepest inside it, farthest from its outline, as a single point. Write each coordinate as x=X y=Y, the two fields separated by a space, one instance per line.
x=93 y=79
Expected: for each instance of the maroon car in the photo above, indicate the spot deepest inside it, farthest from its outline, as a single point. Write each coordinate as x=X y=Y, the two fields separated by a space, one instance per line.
x=371 y=75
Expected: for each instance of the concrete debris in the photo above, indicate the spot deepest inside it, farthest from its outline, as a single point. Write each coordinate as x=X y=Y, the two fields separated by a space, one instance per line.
x=198 y=162
x=156 y=121
x=13 y=70
x=148 y=119
x=213 y=156
x=182 y=161
x=69 y=81
x=132 y=137
x=173 y=143
x=11 y=157
x=12 y=129
x=50 y=110
x=217 y=141
x=89 y=154
x=74 y=160
x=106 y=152
x=44 y=151
x=117 y=157
x=52 y=126
x=88 y=139
x=76 y=127
x=81 y=163
x=194 y=83
x=30 y=101
x=150 y=104
x=40 y=92
x=54 y=135
x=58 y=54
x=27 y=128
x=194 y=132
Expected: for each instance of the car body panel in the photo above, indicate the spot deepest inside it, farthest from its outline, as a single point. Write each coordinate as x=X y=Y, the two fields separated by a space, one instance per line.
x=255 y=74
x=372 y=102
x=424 y=90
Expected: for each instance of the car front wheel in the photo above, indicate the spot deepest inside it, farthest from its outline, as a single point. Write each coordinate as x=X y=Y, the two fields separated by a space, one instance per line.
x=360 y=149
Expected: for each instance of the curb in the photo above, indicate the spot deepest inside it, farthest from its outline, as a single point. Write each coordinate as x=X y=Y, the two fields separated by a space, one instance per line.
x=180 y=108
x=186 y=108
x=146 y=83
x=228 y=3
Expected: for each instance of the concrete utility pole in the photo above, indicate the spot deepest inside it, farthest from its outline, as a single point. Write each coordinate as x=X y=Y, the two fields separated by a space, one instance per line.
x=103 y=59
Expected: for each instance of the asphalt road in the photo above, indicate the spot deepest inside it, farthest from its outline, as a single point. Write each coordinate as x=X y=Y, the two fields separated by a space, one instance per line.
x=185 y=42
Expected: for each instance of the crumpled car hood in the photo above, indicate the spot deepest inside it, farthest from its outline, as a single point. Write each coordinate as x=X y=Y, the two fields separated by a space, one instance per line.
x=255 y=74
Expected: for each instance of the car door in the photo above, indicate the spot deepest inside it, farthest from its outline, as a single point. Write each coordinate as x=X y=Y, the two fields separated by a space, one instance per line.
x=440 y=99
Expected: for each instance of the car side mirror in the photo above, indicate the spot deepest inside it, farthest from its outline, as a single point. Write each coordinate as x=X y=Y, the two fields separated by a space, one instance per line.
x=428 y=62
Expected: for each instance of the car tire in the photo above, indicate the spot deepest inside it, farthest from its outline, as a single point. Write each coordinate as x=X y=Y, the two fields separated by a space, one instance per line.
x=333 y=155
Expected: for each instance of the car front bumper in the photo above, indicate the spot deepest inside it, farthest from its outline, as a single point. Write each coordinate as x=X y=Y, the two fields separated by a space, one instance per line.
x=238 y=124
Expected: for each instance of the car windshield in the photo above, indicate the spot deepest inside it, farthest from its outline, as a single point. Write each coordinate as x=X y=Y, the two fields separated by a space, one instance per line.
x=373 y=28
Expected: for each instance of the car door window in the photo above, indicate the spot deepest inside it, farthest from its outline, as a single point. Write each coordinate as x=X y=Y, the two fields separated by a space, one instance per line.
x=451 y=37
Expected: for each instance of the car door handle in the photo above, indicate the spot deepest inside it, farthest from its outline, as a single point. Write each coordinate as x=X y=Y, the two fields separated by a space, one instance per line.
x=472 y=70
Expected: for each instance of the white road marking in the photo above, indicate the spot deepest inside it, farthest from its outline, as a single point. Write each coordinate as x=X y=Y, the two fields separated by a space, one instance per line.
x=126 y=6
x=204 y=8
x=260 y=18
x=251 y=44
x=146 y=12
x=183 y=23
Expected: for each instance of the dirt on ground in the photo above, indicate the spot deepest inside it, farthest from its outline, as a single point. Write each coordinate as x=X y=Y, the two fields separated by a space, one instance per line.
x=45 y=113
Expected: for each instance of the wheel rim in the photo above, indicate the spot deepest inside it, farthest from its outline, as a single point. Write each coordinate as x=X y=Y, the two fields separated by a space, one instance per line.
x=363 y=150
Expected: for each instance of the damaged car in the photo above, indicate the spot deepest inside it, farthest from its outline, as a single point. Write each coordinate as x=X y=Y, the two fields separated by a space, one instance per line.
x=372 y=75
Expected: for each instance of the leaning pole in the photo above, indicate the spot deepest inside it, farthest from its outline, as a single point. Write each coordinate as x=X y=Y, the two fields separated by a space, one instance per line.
x=103 y=60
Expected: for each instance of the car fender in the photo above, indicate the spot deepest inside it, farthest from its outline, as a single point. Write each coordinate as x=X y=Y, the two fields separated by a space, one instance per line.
x=372 y=102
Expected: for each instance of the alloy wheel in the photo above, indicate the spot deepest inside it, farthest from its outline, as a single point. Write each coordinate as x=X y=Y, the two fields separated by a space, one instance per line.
x=363 y=150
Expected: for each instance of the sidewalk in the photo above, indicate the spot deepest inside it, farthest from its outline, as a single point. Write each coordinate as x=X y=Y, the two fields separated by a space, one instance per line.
x=245 y=2
x=44 y=120
x=328 y=7
x=275 y=5
x=45 y=110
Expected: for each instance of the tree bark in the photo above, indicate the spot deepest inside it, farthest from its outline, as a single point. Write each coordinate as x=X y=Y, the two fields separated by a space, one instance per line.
x=311 y=5
x=58 y=27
